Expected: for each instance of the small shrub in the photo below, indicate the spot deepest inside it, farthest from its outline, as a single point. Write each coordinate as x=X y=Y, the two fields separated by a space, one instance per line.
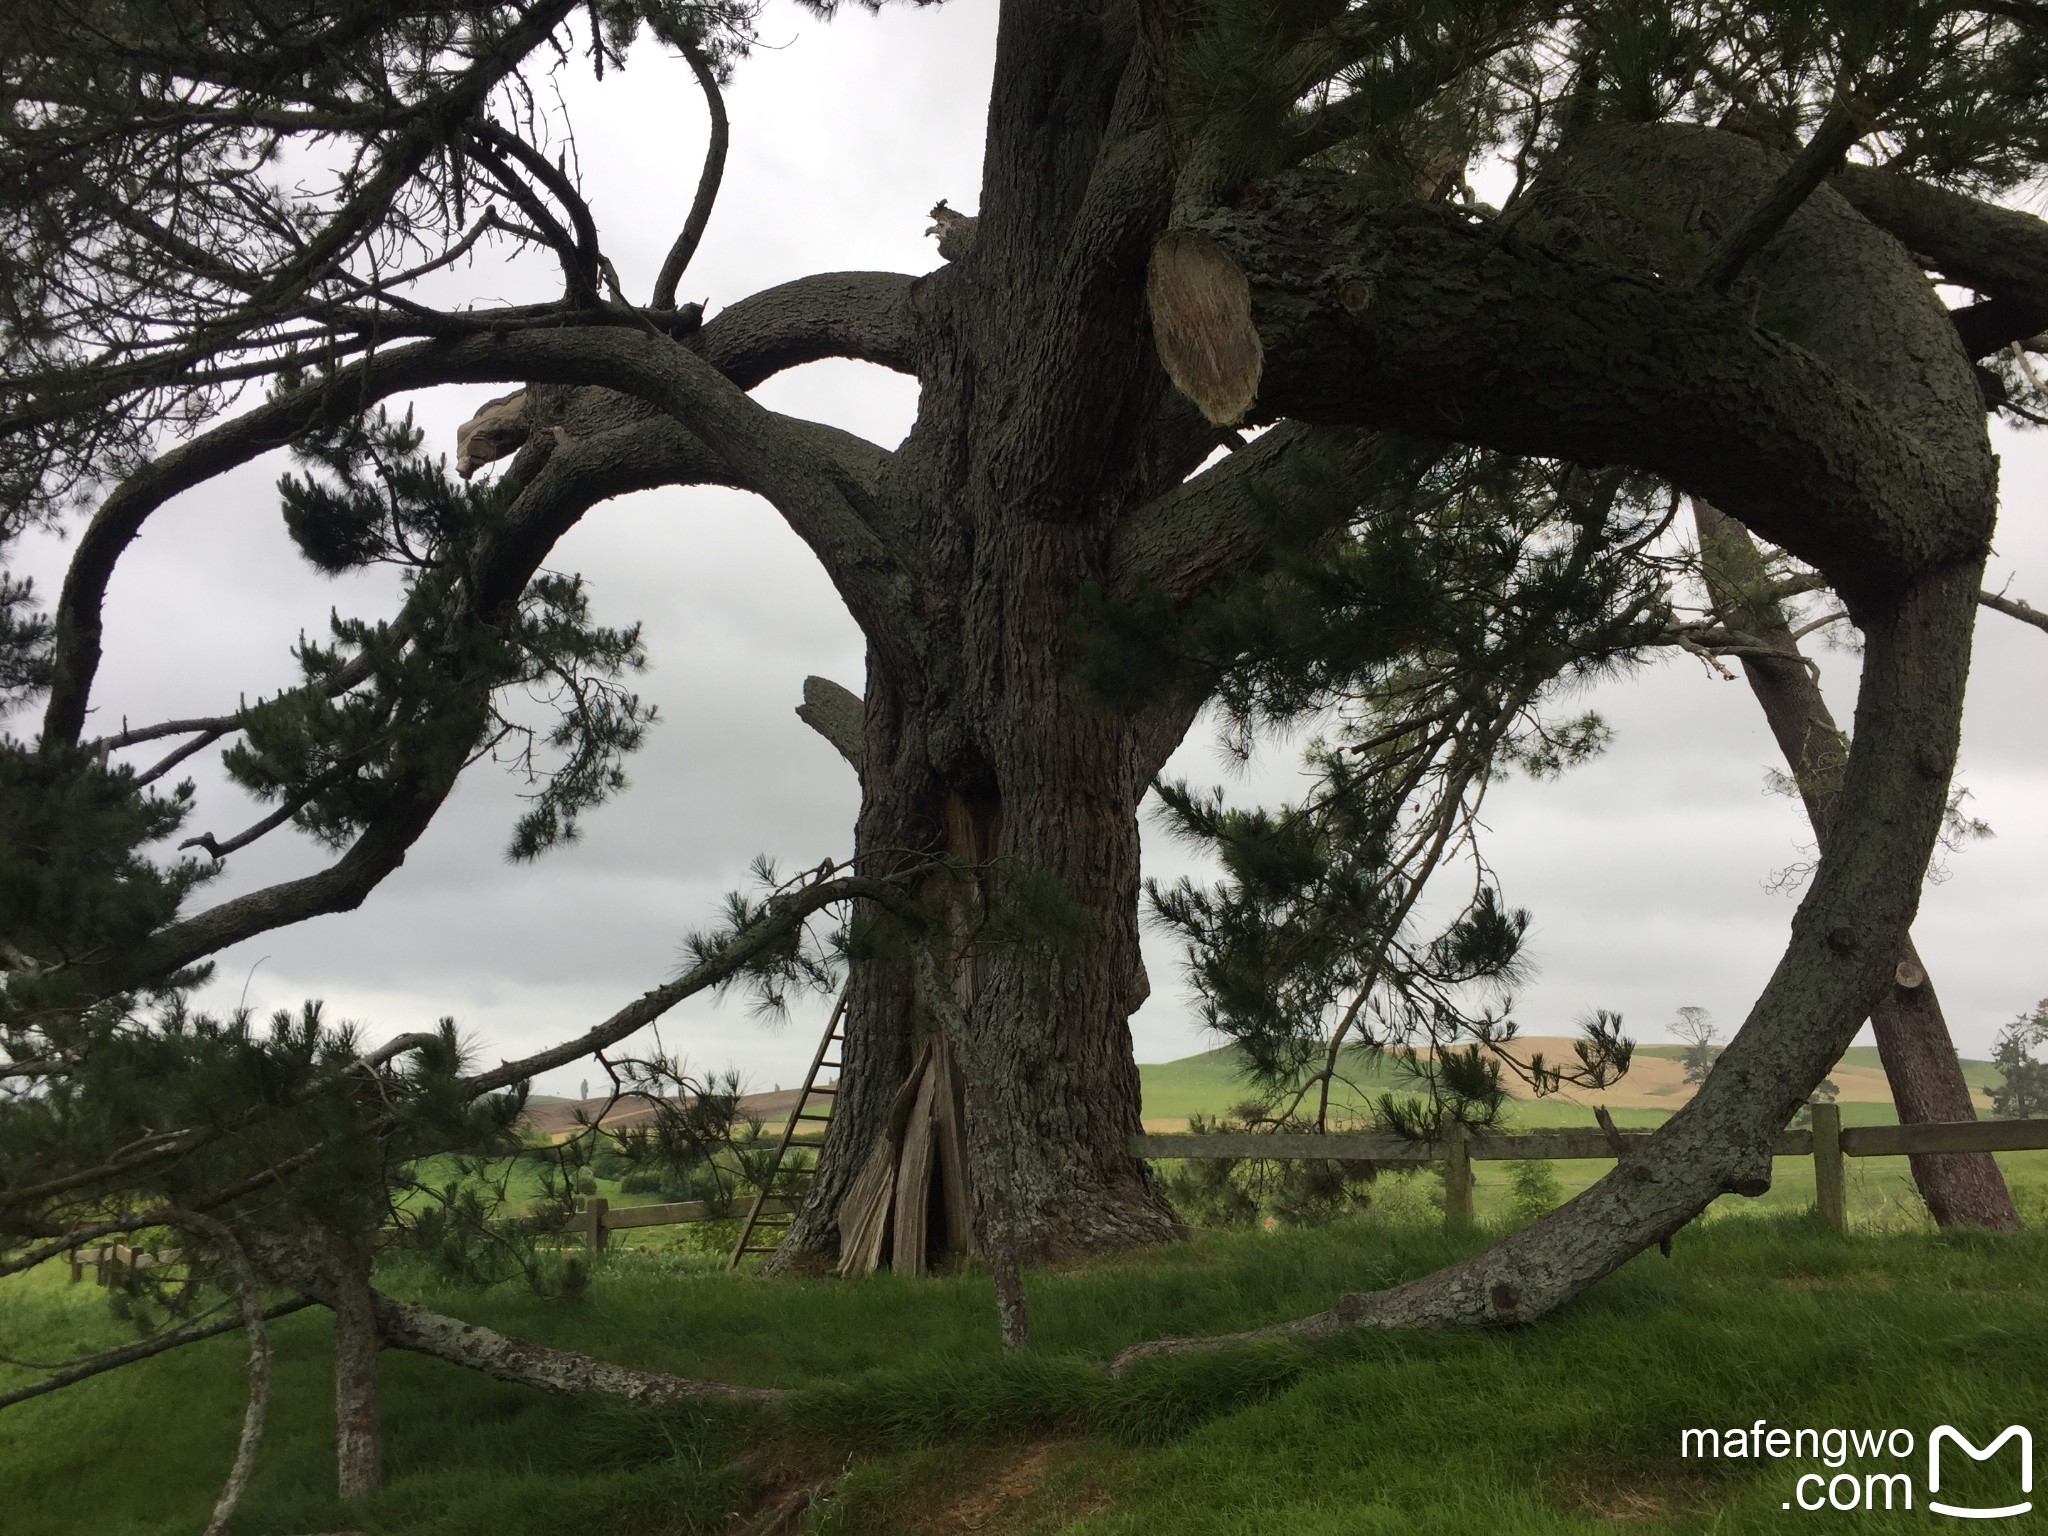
x=1239 y=1192
x=1535 y=1191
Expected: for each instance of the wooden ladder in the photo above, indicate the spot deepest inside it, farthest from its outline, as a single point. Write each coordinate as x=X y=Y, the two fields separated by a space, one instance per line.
x=791 y=1196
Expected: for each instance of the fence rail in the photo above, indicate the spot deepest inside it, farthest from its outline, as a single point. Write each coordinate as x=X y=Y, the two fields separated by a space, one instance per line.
x=109 y=1259
x=598 y=1218
x=1828 y=1143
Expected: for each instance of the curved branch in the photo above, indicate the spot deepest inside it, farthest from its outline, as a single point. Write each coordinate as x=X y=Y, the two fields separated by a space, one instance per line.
x=773 y=455
x=1846 y=937
x=685 y=247
x=120 y=518
x=1415 y=319
x=559 y=185
x=2000 y=252
x=859 y=315
x=141 y=1349
x=578 y=262
x=573 y=480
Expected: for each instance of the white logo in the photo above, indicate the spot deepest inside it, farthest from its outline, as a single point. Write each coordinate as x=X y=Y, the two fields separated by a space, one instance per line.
x=1967 y=1512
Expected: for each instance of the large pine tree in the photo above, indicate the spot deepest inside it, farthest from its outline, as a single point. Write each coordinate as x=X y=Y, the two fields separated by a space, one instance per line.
x=1713 y=268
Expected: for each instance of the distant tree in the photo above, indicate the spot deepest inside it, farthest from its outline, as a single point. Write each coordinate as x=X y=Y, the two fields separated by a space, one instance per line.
x=1826 y=1093
x=1695 y=1026
x=2021 y=1092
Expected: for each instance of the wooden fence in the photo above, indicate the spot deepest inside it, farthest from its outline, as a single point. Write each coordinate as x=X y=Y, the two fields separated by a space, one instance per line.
x=597 y=1219
x=1828 y=1144
x=109 y=1259
x=594 y=1224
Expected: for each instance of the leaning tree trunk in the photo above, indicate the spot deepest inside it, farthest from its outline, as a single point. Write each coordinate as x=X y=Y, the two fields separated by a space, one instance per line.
x=1844 y=946
x=1913 y=1040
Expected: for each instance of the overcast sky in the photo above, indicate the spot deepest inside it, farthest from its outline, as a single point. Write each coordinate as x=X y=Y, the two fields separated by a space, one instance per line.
x=1647 y=873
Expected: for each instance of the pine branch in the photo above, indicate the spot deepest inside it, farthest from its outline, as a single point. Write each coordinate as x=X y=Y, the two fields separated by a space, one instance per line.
x=143 y=1349
x=686 y=242
x=1846 y=122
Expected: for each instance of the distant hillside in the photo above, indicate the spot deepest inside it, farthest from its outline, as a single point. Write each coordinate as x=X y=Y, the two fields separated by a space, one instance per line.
x=1214 y=1082
x=1980 y=1075
x=554 y=1117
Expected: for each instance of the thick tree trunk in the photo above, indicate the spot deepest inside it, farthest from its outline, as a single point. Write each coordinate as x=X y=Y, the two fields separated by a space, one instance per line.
x=1052 y=1086
x=1051 y=1095
x=1913 y=1041
x=1044 y=422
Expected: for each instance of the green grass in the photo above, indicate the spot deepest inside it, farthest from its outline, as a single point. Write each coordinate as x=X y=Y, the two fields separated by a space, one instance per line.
x=1880 y=1188
x=1557 y=1428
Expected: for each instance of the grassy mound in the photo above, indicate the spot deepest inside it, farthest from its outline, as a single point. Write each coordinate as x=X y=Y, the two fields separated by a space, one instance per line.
x=907 y=1406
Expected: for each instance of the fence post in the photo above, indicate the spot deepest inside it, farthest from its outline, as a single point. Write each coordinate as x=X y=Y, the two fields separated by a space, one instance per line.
x=1830 y=1189
x=1457 y=1179
x=594 y=1214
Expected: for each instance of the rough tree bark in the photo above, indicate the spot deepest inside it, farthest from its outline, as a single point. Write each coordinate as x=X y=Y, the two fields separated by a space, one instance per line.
x=358 y=1428
x=1912 y=1034
x=1033 y=443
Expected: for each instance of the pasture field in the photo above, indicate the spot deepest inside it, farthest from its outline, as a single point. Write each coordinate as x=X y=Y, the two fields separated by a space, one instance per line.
x=1880 y=1188
x=907 y=1409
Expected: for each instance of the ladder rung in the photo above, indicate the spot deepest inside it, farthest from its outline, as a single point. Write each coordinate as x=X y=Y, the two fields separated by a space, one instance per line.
x=823 y=1088
x=824 y=1064
x=807 y=1115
